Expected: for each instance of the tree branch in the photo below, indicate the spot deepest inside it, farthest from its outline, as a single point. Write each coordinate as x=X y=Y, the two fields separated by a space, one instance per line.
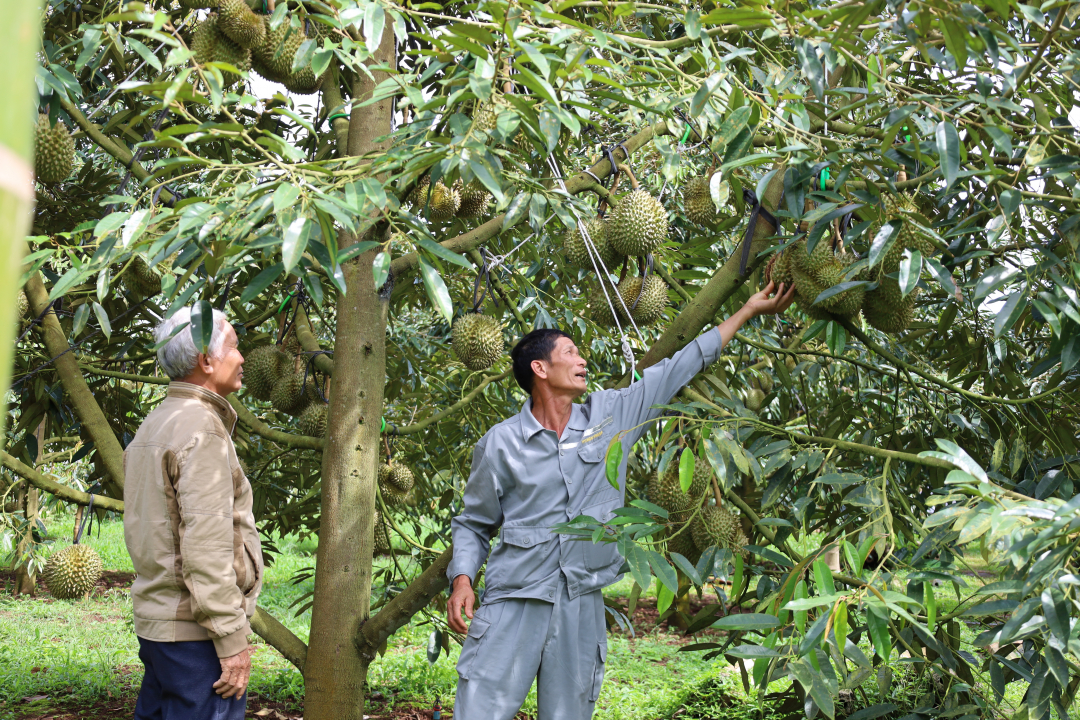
x=397 y=613
x=114 y=148
x=306 y=337
x=429 y=421
x=281 y=437
x=575 y=185
x=50 y=485
x=279 y=637
x=82 y=399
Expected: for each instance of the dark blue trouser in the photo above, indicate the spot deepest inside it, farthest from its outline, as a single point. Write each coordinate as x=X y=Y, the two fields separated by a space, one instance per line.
x=179 y=683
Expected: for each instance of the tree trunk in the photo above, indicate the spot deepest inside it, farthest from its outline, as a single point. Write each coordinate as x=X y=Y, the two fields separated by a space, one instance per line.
x=335 y=672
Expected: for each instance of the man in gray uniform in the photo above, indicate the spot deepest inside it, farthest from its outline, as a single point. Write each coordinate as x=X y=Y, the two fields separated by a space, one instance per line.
x=543 y=609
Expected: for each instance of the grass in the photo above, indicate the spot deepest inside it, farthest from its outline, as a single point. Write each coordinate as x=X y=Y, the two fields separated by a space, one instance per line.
x=81 y=651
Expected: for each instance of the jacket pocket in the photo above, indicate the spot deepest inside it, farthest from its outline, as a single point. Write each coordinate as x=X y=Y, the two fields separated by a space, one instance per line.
x=598 y=670
x=253 y=566
x=471 y=646
x=601 y=555
x=521 y=556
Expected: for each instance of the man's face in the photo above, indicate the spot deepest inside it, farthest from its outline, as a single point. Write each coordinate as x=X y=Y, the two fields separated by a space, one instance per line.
x=227 y=375
x=564 y=372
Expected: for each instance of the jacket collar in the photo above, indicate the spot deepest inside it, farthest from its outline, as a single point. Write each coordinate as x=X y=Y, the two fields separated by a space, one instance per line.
x=530 y=425
x=209 y=398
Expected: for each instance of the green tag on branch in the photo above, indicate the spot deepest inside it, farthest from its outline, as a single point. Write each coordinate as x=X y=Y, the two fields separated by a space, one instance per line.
x=686 y=470
x=612 y=462
x=202 y=325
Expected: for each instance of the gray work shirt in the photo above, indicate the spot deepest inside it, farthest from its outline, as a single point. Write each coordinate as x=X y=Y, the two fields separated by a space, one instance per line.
x=526 y=480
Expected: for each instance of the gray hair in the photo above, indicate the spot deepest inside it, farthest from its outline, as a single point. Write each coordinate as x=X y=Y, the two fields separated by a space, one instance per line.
x=178 y=356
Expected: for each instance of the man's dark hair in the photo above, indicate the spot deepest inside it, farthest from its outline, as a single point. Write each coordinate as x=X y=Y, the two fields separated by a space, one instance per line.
x=537 y=345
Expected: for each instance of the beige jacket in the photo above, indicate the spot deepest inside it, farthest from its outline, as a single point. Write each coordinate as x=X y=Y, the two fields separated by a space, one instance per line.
x=188 y=524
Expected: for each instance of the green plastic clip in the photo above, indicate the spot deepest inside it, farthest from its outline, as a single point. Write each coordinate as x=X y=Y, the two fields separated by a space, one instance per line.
x=285 y=301
x=907 y=138
x=383 y=428
x=824 y=177
x=685 y=134
x=337 y=115
x=637 y=375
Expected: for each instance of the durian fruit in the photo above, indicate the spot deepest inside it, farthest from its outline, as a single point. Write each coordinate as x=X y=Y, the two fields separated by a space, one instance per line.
x=290 y=343
x=54 y=151
x=485 y=115
x=576 y=252
x=477 y=340
x=638 y=225
x=197 y=4
x=444 y=203
x=382 y=536
x=72 y=572
x=290 y=395
x=698 y=203
x=699 y=484
x=22 y=303
x=666 y=491
x=599 y=308
x=714 y=525
x=240 y=23
x=263 y=368
x=210 y=44
x=813 y=274
x=754 y=398
x=778 y=270
x=391 y=479
x=273 y=57
x=885 y=309
x=313 y=420
x=419 y=194
x=651 y=299
x=681 y=540
x=141 y=279
x=474 y=200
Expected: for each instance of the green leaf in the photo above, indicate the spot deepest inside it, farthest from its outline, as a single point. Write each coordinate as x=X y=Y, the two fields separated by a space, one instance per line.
x=882 y=241
x=737 y=577
x=664 y=596
x=930 y=600
x=516 y=210
x=294 y=242
x=353 y=250
x=687 y=569
x=612 y=463
x=910 y=269
x=436 y=289
x=285 y=197
x=78 y=324
x=1056 y=612
x=639 y=565
x=663 y=571
x=697 y=104
x=439 y=251
x=1008 y=314
x=380 y=268
x=948 y=147
x=800 y=615
x=103 y=320
x=877 y=623
x=840 y=624
x=261 y=282
x=686 y=470
x=747 y=621
x=202 y=325
x=813 y=69
x=823 y=578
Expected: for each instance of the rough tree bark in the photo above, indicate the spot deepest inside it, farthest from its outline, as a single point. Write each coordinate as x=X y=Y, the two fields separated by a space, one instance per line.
x=335 y=673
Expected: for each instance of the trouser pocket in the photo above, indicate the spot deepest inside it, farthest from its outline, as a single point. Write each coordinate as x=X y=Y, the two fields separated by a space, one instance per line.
x=598 y=671
x=471 y=646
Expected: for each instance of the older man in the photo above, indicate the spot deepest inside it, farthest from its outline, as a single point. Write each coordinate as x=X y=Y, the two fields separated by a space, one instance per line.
x=543 y=612
x=191 y=534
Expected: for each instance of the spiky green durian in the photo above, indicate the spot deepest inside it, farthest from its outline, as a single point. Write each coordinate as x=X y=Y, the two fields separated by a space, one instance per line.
x=22 y=304
x=72 y=572
x=391 y=479
x=273 y=58
x=290 y=343
x=665 y=491
x=263 y=368
x=576 y=252
x=599 y=294
x=700 y=483
x=754 y=398
x=645 y=301
x=382 y=535
x=198 y=4
x=444 y=202
x=477 y=340
x=681 y=540
x=313 y=420
x=240 y=23
x=141 y=279
x=54 y=151
x=210 y=44
x=638 y=225
x=698 y=203
x=714 y=525
x=474 y=200
x=886 y=309
x=290 y=395
x=485 y=115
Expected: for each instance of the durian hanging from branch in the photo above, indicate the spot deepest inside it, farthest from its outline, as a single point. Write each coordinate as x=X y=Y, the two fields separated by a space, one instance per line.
x=638 y=224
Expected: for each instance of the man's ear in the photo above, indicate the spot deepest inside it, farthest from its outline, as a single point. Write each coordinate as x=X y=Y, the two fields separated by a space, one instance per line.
x=205 y=363
x=539 y=368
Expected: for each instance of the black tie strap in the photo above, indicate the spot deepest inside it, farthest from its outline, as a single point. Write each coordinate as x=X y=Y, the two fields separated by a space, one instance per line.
x=757 y=210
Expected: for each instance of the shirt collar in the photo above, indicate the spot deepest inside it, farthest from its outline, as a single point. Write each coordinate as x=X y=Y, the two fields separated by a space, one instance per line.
x=208 y=398
x=530 y=425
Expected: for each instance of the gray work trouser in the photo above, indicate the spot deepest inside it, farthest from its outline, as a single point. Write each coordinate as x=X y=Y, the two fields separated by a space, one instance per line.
x=563 y=645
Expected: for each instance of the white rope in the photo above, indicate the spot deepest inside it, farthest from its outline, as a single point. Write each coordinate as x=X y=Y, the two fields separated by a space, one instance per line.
x=598 y=265
x=497 y=260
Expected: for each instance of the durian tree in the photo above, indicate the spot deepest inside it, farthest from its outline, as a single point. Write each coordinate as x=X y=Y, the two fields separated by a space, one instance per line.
x=385 y=195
